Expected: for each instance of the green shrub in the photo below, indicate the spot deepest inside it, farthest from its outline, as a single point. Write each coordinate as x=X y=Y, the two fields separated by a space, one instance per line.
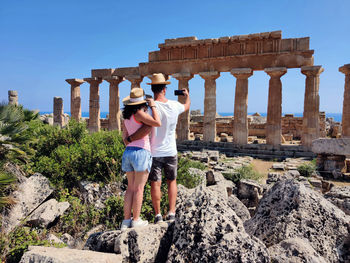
x=13 y=246
x=67 y=156
x=306 y=169
x=244 y=172
x=183 y=175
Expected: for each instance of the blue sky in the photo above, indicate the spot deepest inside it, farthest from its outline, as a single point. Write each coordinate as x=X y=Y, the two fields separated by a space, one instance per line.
x=44 y=42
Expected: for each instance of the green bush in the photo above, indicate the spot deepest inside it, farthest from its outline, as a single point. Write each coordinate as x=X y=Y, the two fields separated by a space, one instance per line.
x=244 y=172
x=13 y=246
x=67 y=156
x=307 y=169
x=183 y=175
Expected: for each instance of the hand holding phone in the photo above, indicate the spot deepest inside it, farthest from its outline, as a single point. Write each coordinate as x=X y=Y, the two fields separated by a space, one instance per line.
x=178 y=92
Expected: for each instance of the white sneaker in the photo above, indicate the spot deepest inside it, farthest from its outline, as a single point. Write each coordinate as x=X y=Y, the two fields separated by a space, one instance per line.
x=139 y=223
x=125 y=224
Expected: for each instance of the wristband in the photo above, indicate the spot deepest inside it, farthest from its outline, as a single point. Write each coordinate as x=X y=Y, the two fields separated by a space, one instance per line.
x=128 y=139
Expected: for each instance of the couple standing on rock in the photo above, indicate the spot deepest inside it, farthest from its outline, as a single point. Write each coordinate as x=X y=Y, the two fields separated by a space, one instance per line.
x=149 y=131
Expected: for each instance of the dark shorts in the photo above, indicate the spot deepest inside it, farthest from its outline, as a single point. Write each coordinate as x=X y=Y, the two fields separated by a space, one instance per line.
x=169 y=164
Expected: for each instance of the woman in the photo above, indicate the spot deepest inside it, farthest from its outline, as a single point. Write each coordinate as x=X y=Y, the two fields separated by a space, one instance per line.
x=137 y=159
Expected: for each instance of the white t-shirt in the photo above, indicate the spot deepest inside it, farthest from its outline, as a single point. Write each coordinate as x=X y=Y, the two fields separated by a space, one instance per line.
x=163 y=138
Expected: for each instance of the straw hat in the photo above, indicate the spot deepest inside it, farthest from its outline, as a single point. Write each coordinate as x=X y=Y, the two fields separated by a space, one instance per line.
x=158 y=78
x=137 y=96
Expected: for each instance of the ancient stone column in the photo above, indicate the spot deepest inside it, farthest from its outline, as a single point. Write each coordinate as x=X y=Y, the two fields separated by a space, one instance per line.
x=114 y=108
x=346 y=103
x=240 y=121
x=209 y=122
x=135 y=80
x=274 y=107
x=58 y=117
x=94 y=104
x=311 y=125
x=183 y=123
x=13 y=97
x=75 y=99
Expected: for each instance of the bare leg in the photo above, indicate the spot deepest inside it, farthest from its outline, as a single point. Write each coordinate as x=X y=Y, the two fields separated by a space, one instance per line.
x=172 y=194
x=139 y=184
x=129 y=195
x=156 y=195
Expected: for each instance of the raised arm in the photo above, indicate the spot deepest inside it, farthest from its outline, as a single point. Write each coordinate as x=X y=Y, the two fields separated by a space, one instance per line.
x=151 y=120
x=187 y=103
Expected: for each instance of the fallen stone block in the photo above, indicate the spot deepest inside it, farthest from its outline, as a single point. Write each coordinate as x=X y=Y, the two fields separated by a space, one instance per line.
x=339 y=146
x=37 y=254
x=46 y=213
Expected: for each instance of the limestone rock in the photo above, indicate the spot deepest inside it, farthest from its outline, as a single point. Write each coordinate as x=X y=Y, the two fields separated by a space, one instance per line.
x=54 y=239
x=68 y=239
x=340 y=196
x=47 y=213
x=143 y=244
x=30 y=194
x=339 y=146
x=207 y=230
x=65 y=255
x=93 y=193
x=290 y=210
x=294 y=250
x=240 y=209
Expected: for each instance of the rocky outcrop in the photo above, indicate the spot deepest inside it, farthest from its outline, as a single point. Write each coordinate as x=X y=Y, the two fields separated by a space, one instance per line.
x=30 y=194
x=340 y=196
x=217 y=182
x=291 y=210
x=294 y=250
x=143 y=244
x=47 y=213
x=240 y=209
x=66 y=255
x=207 y=230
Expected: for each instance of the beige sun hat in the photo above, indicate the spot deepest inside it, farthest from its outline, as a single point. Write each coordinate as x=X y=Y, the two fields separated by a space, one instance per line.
x=137 y=96
x=158 y=78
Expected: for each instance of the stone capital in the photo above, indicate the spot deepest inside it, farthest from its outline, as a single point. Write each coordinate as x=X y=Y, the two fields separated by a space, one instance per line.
x=241 y=73
x=312 y=70
x=114 y=80
x=345 y=69
x=93 y=80
x=276 y=72
x=182 y=76
x=75 y=82
x=209 y=75
x=134 y=78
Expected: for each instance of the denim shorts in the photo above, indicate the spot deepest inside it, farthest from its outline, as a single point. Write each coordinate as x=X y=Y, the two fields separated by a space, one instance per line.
x=136 y=159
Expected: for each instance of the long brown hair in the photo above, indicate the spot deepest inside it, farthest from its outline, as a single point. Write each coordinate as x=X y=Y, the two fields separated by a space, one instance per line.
x=129 y=110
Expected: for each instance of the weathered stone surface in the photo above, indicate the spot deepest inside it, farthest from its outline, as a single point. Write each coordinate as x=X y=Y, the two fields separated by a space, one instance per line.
x=294 y=250
x=93 y=193
x=54 y=239
x=68 y=239
x=240 y=209
x=144 y=244
x=207 y=230
x=340 y=146
x=47 y=213
x=340 y=196
x=290 y=210
x=278 y=166
x=66 y=255
x=30 y=194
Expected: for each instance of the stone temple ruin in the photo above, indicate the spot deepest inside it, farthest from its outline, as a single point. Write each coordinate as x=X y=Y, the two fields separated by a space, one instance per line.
x=241 y=56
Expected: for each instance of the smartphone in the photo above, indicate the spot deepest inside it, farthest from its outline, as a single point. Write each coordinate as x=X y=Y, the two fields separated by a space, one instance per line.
x=148 y=96
x=178 y=92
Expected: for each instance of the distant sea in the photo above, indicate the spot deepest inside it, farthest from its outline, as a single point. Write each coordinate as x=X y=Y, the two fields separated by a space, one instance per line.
x=336 y=116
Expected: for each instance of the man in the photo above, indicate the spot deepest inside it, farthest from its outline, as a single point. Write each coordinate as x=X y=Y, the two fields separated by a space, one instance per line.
x=163 y=144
